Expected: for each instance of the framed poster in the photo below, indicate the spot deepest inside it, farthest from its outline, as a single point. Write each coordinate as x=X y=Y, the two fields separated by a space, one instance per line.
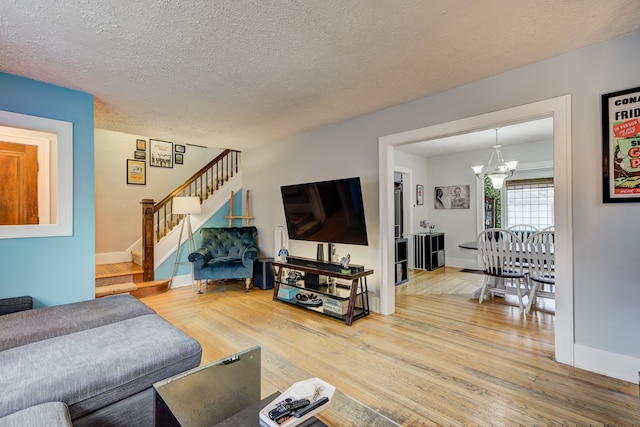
x=419 y=194
x=180 y=148
x=160 y=153
x=141 y=144
x=136 y=172
x=621 y=146
x=179 y=158
x=140 y=155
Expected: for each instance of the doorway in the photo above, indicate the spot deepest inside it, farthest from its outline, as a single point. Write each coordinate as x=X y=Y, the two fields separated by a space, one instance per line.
x=560 y=109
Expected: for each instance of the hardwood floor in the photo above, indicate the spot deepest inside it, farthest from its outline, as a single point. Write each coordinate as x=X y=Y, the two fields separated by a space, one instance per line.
x=441 y=359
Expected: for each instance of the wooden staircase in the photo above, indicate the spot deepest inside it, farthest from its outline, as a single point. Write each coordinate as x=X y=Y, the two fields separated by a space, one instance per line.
x=126 y=277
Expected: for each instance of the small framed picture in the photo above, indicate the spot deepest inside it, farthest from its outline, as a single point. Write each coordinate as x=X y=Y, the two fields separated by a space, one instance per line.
x=136 y=172
x=140 y=155
x=419 y=194
x=179 y=159
x=161 y=153
x=141 y=144
x=180 y=149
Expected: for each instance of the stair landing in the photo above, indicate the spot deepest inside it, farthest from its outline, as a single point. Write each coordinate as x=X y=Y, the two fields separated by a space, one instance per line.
x=126 y=277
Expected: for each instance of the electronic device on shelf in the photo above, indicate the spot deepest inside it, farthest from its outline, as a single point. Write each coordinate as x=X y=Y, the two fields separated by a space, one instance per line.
x=325 y=211
x=322 y=265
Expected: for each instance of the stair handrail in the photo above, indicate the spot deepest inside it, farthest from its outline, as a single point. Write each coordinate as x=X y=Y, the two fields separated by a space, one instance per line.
x=158 y=218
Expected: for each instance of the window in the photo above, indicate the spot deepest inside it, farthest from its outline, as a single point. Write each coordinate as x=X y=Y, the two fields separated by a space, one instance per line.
x=530 y=202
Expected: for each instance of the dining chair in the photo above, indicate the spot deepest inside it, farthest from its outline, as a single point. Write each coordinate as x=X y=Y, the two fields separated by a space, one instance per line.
x=523 y=231
x=500 y=252
x=541 y=264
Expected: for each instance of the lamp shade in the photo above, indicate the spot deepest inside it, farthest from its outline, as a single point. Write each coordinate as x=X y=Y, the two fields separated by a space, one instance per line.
x=186 y=205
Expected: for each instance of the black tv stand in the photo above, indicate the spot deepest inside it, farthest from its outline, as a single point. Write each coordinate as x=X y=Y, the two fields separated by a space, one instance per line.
x=347 y=302
x=322 y=265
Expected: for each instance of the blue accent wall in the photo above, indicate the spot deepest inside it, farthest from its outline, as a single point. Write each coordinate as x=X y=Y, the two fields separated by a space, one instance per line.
x=216 y=220
x=54 y=270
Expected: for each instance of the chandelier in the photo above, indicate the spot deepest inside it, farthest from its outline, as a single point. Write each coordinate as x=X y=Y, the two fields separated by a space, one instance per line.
x=497 y=169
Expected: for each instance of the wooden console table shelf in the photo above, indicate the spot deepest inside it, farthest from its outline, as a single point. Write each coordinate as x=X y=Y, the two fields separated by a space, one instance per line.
x=351 y=298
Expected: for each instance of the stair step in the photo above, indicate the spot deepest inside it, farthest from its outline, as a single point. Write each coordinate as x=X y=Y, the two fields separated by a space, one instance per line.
x=137 y=256
x=123 y=272
x=118 y=269
x=106 y=281
x=153 y=287
x=117 y=288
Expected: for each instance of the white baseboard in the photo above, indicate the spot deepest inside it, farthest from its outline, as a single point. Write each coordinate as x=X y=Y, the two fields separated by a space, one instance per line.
x=181 y=281
x=113 y=257
x=461 y=263
x=613 y=365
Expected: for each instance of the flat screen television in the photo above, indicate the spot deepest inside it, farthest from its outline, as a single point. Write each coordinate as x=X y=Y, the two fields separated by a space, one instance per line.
x=326 y=211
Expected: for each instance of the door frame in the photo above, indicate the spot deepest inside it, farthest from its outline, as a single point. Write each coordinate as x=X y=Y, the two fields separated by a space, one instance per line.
x=408 y=201
x=560 y=109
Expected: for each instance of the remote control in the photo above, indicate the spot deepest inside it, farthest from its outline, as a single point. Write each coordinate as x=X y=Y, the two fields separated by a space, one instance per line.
x=287 y=408
x=303 y=411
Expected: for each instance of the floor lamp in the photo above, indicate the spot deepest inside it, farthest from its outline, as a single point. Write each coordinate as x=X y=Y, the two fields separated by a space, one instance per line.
x=185 y=206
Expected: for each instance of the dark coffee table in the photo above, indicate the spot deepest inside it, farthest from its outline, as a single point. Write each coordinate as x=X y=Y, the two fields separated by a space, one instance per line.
x=226 y=393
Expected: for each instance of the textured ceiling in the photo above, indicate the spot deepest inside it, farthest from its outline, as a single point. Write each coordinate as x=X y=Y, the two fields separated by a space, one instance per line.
x=236 y=73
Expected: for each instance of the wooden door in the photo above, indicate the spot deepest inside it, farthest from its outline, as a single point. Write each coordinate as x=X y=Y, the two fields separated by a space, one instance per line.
x=18 y=184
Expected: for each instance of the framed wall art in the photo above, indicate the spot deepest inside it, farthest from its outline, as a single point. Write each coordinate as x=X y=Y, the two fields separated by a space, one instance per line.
x=141 y=144
x=140 y=155
x=179 y=159
x=452 y=197
x=160 y=153
x=180 y=148
x=621 y=146
x=419 y=194
x=136 y=172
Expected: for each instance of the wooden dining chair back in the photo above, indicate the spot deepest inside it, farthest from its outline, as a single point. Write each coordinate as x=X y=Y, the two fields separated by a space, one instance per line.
x=500 y=252
x=540 y=249
x=523 y=231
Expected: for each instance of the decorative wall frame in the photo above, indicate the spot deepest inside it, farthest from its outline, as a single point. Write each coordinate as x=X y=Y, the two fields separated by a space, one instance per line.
x=179 y=158
x=419 y=194
x=621 y=146
x=160 y=153
x=180 y=148
x=140 y=155
x=452 y=197
x=136 y=172
x=141 y=144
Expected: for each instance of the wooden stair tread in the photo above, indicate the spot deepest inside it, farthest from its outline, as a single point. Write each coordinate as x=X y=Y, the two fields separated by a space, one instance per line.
x=151 y=287
x=153 y=283
x=118 y=288
x=117 y=270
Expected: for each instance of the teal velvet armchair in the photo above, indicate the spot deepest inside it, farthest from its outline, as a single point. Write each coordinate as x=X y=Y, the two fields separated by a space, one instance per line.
x=225 y=253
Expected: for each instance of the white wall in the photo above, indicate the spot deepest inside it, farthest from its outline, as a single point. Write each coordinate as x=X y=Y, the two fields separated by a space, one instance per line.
x=606 y=288
x=118 y=209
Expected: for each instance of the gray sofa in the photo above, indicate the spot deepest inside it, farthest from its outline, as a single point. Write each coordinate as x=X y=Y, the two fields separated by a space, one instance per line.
x=91 y=363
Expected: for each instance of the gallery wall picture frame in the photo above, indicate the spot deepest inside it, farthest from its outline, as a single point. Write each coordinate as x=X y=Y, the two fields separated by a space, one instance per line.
x=179 y=158
x=140 y=155
x=621 y=146
x=136 y=172
x=180 y=148
x=141 y=144
x=420 y=194
x=160 y=153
